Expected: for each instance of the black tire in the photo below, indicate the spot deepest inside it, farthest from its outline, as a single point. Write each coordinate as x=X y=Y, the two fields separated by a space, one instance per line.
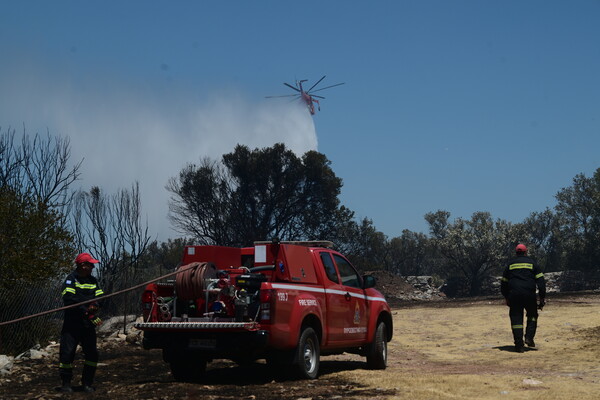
x=308 y=354
x=187 y=369
x=377 y=355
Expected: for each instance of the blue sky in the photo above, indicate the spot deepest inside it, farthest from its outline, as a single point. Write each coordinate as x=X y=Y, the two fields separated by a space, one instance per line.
x=458 y=105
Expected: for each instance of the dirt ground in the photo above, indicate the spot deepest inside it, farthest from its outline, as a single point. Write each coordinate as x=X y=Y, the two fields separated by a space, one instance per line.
x=451 y=349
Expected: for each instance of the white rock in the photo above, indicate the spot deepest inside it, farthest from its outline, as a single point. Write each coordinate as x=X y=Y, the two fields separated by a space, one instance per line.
x=6 y=362
x=530 y=381
x=134 y=337
x=37 y=354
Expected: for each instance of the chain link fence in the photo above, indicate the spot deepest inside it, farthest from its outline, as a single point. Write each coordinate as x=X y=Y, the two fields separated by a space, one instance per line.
x=23 y=300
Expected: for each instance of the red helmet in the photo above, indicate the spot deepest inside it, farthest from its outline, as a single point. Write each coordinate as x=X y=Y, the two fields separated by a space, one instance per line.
x=521 y=248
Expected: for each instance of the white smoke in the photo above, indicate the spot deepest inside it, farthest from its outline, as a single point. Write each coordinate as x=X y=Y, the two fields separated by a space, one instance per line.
x=126 y=135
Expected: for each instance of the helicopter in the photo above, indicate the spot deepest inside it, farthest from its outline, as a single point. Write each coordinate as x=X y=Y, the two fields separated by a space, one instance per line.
x=307 y=96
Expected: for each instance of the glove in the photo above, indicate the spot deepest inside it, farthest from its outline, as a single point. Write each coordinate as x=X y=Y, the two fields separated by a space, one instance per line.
x=541 y=304
x=96 y=321
x=93 y=308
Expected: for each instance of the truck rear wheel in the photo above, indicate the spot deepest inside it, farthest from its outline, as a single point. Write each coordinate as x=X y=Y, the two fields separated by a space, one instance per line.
x=377 y=355
x=308 y=354
x=187 y=369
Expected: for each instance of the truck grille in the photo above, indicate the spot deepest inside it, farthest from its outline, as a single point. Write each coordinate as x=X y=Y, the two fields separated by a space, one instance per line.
x=196 y=325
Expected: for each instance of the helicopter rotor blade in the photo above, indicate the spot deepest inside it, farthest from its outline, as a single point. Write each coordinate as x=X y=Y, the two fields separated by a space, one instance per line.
x=285 y=95
x=290 y=86
x=327 y=87
x=318 y=97
x=312 y=87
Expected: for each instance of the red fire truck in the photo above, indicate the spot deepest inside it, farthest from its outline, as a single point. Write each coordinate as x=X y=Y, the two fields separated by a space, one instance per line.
x=286 y=302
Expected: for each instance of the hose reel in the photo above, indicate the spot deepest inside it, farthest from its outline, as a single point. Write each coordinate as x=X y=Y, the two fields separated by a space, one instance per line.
x=193 y=281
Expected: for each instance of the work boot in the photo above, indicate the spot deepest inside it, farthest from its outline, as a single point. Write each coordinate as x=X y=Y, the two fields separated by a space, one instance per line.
x=88 y=389
x=65 y=389
x=529 y=342
x=519 y=348
x=87 y=378
x=66 y=386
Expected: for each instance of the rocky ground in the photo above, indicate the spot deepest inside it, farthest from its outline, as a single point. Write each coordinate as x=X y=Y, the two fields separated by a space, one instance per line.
x=128 y=371
x=399 y=289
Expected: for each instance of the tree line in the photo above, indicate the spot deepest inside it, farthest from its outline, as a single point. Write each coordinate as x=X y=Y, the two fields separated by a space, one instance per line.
x=258 y=194
x=270 y=192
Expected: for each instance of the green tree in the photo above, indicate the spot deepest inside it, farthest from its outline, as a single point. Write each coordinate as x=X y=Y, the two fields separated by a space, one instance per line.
x=470 y=248
x=410 y=254
x=163 y=257
x=33 y=244
x=541 y=232
x=35 y=177
x=365 y=246
x=578 y=207
x=256 y=195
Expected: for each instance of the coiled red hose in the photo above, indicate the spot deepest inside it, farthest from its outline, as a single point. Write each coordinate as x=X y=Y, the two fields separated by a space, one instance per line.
x=191 y=283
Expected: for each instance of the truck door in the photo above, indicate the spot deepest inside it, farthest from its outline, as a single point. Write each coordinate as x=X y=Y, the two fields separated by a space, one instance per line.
x=336 y=305
x=355 y=328
x=346 y=306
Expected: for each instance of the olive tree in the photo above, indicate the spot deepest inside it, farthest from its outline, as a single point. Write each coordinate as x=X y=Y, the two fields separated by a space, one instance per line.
x=34 y=245
x=257 y=194
x=410 y=254
x=365 y=246
x=541 y=232
x=578 y=207
x=470 y=248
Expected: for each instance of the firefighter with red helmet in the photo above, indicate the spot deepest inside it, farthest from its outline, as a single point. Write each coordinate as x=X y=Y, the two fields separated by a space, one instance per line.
x=79 y=326
x=518 y=286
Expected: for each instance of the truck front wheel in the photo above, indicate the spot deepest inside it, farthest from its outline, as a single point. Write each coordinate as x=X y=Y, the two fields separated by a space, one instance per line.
x=377 y=354
x=308 y=354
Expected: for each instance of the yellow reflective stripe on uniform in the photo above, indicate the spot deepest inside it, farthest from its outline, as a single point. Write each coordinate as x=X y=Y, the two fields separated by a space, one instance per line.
x=517 y=326
x=90 y=363
x=99 y=292
x=65 y=366
x=68 y=290
x=539 y=275
x=85 y=285
x=521 y=266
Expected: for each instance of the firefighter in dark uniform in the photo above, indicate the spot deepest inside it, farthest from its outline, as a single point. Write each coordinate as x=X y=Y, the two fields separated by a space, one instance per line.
x=80 y=323
x=518 y=284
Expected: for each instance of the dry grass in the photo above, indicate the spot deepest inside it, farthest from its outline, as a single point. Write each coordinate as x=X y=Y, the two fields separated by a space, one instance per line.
x=464 y=351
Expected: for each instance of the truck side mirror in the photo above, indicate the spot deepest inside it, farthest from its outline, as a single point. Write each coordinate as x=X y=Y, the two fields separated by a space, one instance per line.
x=369 y=281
